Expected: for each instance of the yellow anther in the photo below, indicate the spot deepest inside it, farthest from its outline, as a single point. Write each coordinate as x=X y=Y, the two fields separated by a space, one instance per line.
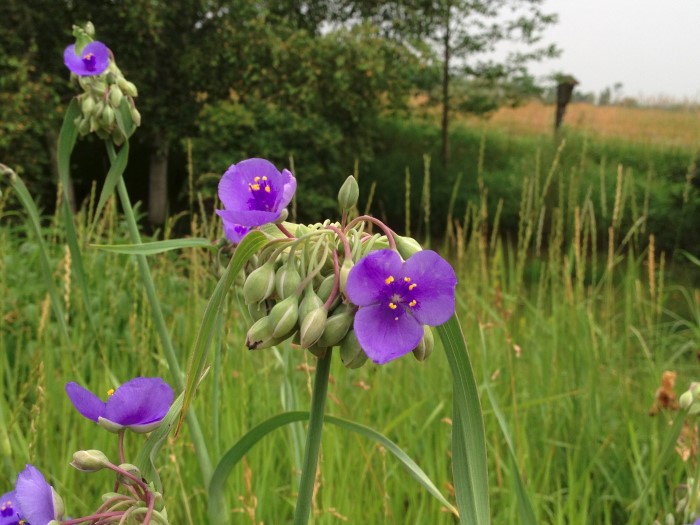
x=412 y=286
x=257 y=179
x=407 y=279
x=110 y=392
x=254 y=187
x=267 y=189
x=392 y=306
x=389 y=279
x=412 y=303
x=264 y=177
x=88 y=56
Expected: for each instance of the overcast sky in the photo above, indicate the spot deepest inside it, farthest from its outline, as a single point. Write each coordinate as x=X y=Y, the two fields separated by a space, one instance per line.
x=651 y=46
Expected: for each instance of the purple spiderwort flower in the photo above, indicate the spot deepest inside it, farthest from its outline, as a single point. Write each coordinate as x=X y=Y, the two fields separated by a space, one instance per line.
x=9 y=509
x=254 y=192
x=93 y=60
x=397 y=298
x=37 y=501
x=139 y=404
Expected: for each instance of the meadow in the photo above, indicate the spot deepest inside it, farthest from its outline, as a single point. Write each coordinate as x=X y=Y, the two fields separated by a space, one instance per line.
x=571 y=308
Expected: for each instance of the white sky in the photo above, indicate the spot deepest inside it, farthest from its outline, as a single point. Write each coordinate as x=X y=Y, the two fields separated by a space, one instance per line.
x=651 y=46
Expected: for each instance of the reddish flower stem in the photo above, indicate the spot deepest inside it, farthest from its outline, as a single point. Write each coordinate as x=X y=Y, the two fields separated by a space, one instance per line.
x=368 y=218
x=94 y=517
x=285 y=231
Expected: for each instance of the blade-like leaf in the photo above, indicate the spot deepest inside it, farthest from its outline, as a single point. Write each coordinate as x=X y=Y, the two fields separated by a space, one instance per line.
x=152 y=248
x=116 y=170
x=468 y=436
x=250 y=245
x=26 y=199
x=218 y=512
x=145 y=460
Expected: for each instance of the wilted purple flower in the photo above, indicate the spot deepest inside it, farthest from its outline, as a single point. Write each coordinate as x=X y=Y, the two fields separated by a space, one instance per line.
x=93 y=60
x=38 y=503
x=397 y=298
x=139 y=404
x=253 y=193
x=9 y=509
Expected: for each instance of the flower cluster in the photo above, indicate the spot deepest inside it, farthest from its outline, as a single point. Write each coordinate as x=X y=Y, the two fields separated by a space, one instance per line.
x=107 y=94
x=333 y=283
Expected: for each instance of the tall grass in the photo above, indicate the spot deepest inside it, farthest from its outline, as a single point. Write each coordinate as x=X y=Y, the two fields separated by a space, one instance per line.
x=569 y=330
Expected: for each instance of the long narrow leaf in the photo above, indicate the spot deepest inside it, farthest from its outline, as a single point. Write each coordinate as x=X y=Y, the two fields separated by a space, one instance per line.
x=152 y=248
x=217 y=502
x=468 y=436
x=246 y=249
x=66 y=142
x=26 y=199
x=116 y=170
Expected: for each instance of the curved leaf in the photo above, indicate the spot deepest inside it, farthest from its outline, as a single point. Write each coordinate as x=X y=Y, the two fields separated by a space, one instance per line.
x=116 y=170
x=152 y=248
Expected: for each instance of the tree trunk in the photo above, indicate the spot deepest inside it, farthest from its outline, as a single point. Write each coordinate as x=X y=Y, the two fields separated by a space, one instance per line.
x=52 y=145
x=158 y=183
x=446 y=91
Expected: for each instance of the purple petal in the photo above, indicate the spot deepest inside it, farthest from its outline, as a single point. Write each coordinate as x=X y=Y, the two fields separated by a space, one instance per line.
x=234 y=189
x=93 y=60
x=85 y=402
x=290 y=186
x=235 y=232
x=141 y=401
x=248 y=218
x=34 y=497
x=384 y=338
x=367 y=279
x=9 y=509
x=435 y=290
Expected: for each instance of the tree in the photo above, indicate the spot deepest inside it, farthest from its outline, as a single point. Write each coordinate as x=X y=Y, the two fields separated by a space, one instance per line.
x=462 y=34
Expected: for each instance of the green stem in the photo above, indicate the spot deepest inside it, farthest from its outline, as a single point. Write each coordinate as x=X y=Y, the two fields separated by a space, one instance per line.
x=200 y=445
x=313 y=440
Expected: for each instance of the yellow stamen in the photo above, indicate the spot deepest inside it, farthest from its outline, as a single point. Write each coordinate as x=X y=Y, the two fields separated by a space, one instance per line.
x=412 y=303
x=267 y=189
x=389 y=279
x=412 y=286
x=254 y=187
x=110 y=392
x=407 y=279
x=257 y=179
x=264 y=177
x=392 y=306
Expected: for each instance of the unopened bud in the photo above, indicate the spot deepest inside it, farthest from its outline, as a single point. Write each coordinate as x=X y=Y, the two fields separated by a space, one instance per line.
x=426 y=345
x=348 y=194
x=309 y=303
x=127 y=87
x=89 y=28
x=337 y=325
x=133 y=470
x=259 y=334
x=84 y=126
x=259 y=284
x=87 y=105
x=284 y=316
x=107 y=116
x=115 y=96
x=344 y=272
x=135 y=116
x=351 y=353
x=287 y=280
x=326 y=287
x=406 y=246
x=312 y=327
x=117 y=136
x=89 y=460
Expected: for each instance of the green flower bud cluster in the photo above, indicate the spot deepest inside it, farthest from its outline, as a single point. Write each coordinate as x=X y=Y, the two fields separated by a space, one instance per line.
x=295 y=289
x=107 y=101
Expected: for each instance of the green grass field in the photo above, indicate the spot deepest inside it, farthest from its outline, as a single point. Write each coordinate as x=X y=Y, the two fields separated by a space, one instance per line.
x=569 y=329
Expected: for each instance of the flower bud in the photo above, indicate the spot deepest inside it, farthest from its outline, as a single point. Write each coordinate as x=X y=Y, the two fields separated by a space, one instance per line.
x=337 y=325
x=318 y=350
x=89 y=28
x=326 y=287
x=115 y=96
x=259 y=284
x=344 y=272
x=351 y=353
x=312 y=327
x=287 y=280
x=348 y=194
x=107 y=116
x=87 y=105
x=89 y=460
x=426 y=345
x=259 y=334
x=309 y=303
x=128 y=88
x=97 y=109
x=117 y=136
x=129 y=469
x=406 y=246
x=135 y=116
x=84 y=127
x=284 y=316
